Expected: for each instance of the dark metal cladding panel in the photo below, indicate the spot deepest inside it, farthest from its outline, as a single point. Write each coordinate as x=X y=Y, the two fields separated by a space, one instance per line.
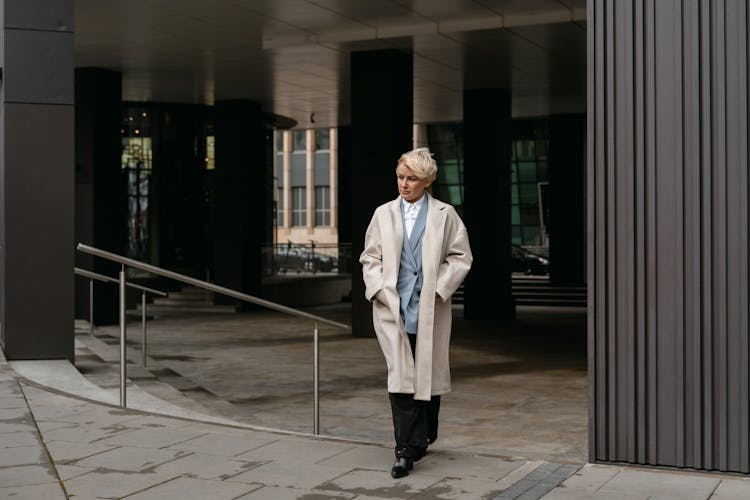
x=591 y=210
x=669 y=258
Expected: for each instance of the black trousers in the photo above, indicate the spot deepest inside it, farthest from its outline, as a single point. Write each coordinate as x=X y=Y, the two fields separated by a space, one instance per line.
x=415 y=423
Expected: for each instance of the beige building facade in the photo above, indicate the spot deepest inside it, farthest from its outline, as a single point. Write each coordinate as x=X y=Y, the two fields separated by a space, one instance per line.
x=305 y=195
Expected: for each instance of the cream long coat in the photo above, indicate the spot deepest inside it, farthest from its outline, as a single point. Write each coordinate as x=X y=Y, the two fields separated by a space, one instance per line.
x=446 y=260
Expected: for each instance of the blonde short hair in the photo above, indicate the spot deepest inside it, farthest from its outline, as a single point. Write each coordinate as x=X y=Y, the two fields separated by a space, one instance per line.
x=420 y=162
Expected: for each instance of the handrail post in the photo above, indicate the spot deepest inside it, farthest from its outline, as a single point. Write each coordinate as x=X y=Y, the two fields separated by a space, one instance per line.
x=123 y=367
x=316 y=377
x=143 y=329
x=91 y=307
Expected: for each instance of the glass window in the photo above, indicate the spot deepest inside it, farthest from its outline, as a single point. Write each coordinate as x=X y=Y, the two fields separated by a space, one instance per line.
x=322 y=139
x=528 y=194
x=527 y=171
x=299 y=140
x=136 y=162
x=531 y=235
x=322 y=206
x=525 y=150
x=210 y=153
x=516 y=235
x=299 y=206
x=279 y=141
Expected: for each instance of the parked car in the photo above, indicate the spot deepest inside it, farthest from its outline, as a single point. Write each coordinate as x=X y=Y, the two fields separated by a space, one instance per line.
x=528 y=262
x=301 y=258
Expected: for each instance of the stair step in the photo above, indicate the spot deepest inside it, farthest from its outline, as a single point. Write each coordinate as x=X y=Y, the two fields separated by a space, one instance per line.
x=198 y=301
x=177 y=308
x=191 y=292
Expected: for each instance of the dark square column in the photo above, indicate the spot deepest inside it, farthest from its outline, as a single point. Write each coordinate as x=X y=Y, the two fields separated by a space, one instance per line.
x=36 y=180
x=487 y=154
x=242 y=220
x=567 y=145
x=382 y=103
x=100 y=203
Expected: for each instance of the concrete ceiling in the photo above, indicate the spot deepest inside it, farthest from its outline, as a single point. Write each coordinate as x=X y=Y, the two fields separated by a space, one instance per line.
x=293 y=55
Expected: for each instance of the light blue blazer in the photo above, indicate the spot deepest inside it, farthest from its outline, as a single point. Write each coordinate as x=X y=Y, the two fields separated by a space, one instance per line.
x=409 y=283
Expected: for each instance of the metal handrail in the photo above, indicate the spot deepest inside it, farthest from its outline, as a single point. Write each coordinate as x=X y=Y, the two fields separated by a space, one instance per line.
x=125 y=261
x=107 y=279
x=206 y=285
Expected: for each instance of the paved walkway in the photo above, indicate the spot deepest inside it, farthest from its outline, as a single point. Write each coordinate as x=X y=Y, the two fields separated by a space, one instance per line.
x=519 y=388
x=53 y=445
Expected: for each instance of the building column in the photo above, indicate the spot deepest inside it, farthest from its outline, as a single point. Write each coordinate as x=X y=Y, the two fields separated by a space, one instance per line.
x=381 y=130
x=100 y=203
x=333 y=176
x=37 y=180
x=419 y=139
x=487 y=180
x=242 y=221
x=287 y=182
x=669 y=332
x=310 y=178
x=567 y=220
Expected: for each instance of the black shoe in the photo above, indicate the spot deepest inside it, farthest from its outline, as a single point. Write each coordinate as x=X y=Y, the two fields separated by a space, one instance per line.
x=401 y=467
x=419 y=453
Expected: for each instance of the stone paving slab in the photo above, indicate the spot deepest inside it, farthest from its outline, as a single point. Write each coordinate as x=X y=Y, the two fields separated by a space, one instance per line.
x=363 y=457
x=375 y=483
x=289 y=475
x=42 y=491
x=110 y=484
x=296 y=450
x=206 y=466
x=136 y=455
x=27 y=475
x=130 y=459
x=645 y=483
x=459 y=489
x=67 y=451
x=223 y=444
x=83 y=433
x=275 y=493
x=186 y=488
x=20 y=438
x=66 y=472
x=150 y=438
x=732 y=488
x=440 y=463
x=23 y=455
x=617 y=482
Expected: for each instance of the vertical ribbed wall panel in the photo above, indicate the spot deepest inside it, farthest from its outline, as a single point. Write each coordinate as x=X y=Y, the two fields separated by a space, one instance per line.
x=668 y=233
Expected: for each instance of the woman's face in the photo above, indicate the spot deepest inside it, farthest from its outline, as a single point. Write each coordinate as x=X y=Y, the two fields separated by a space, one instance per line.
x=409 y=186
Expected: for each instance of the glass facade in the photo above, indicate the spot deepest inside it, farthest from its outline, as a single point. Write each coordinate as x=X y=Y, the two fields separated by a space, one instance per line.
x=279 y=167
x=446 y=143
x=529 y=176
x=322 y=206
x=529 y=182
x=299 y=206
x=137 y=163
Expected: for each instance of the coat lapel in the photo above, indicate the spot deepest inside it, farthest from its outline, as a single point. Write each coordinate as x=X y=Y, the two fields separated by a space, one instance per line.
x=419 y=226
x=397 y=223
x=432 y=241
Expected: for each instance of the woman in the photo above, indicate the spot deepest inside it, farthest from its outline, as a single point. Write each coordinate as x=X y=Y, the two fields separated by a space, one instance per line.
x=416 y=255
